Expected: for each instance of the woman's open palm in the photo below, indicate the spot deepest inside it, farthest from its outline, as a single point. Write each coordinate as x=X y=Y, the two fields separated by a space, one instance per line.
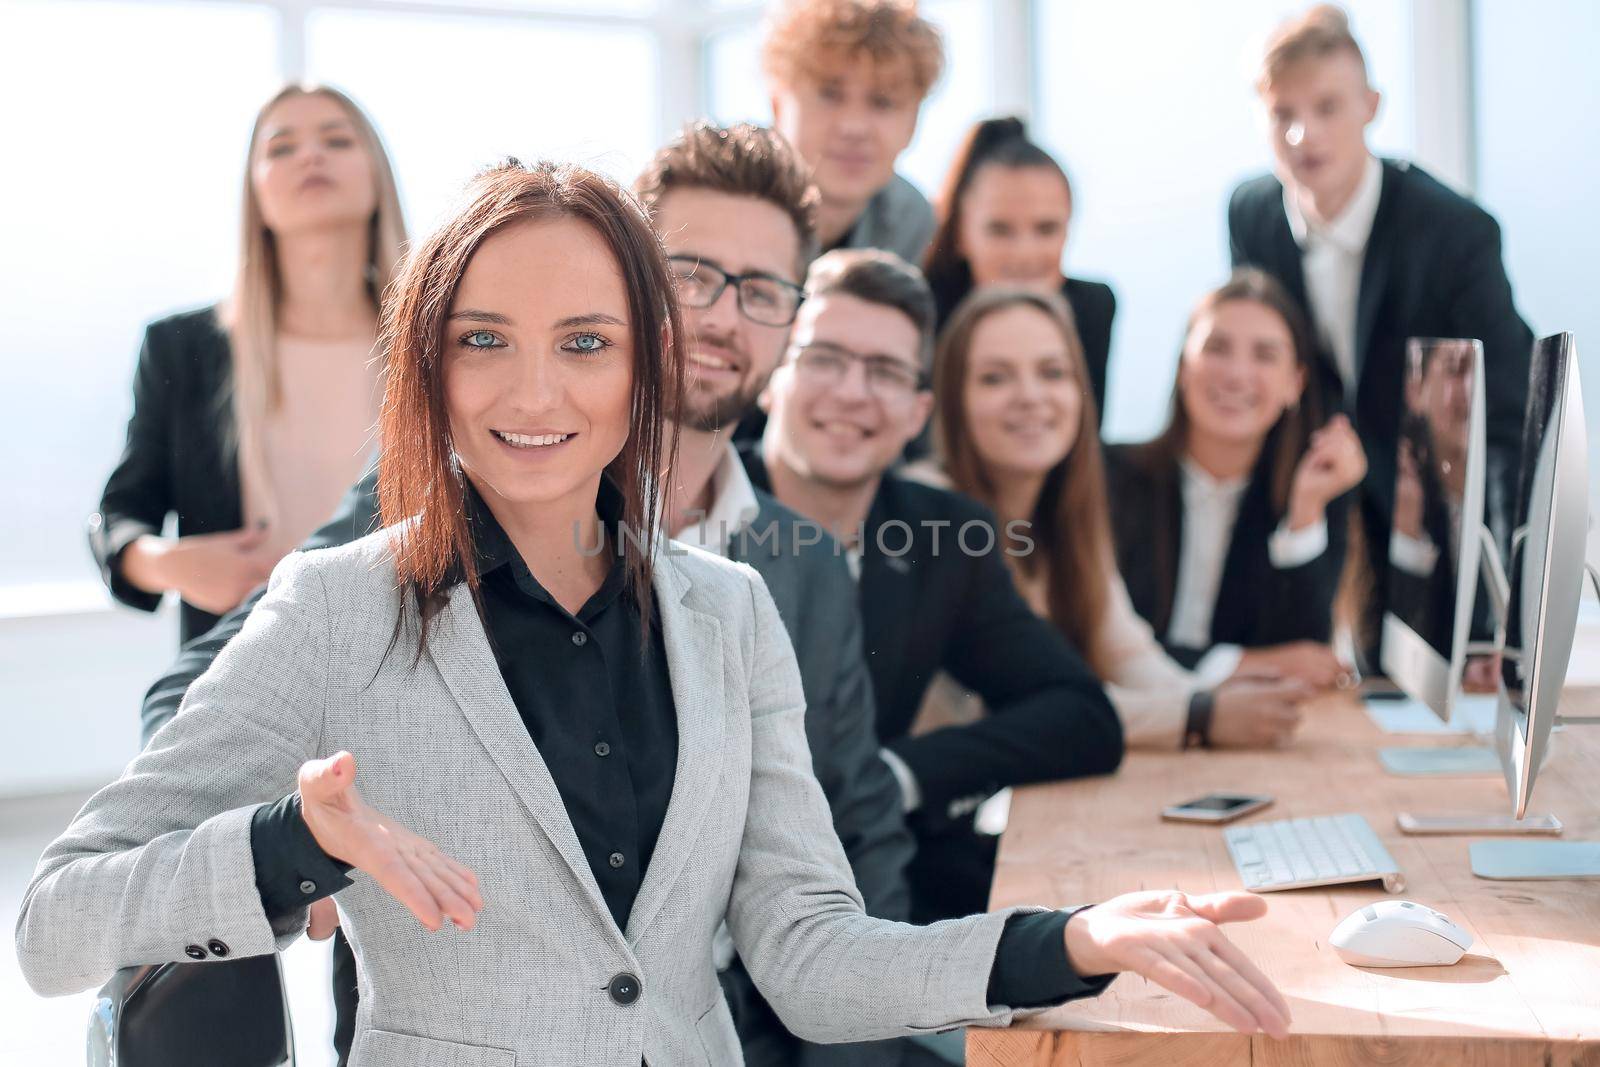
x=431 y=885
x=1173 y=939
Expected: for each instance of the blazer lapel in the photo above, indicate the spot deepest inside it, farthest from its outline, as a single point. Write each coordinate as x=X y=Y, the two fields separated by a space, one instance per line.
x=460 y=651
x=1375 y=269
x=1286 y=256
x=1171 y=487
x=693 y=641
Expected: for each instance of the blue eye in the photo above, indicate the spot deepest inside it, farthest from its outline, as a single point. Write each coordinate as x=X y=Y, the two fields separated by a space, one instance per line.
x=480 y=339
x=587 y=343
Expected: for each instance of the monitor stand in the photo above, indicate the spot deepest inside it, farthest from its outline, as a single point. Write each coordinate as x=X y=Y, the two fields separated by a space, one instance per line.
x=1453 y=761
x=1541 y=860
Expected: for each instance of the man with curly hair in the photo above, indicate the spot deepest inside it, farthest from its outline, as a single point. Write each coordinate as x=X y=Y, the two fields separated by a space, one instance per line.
x=848 y=78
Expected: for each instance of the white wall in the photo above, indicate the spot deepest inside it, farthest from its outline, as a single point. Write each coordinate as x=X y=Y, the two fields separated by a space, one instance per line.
x=70 y=687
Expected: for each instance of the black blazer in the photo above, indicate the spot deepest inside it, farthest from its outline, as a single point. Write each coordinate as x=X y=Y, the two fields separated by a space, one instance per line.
x=1093 y=305
x=930 y=609
x=1432 y=269
x=174 y=459
x=1257 y=603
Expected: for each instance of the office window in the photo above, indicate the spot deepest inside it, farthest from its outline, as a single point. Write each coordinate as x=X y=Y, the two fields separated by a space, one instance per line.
x=451 y=94
x=118 y=203
x=589 y=7
x=1149 y=105
x=1537 y=155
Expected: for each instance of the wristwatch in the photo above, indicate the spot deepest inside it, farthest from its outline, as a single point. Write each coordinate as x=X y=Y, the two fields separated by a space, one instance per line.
x=1197 y=730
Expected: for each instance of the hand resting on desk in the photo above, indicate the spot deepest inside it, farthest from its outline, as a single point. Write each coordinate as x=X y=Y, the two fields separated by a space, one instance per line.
x=1172 y=939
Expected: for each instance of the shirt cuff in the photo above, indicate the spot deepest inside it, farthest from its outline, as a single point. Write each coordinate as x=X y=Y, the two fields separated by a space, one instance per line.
x=1295 y=548
x=292 y=870
x=1031 y=969
x=1416 y=556
x=910 y=792
x=1217 y=665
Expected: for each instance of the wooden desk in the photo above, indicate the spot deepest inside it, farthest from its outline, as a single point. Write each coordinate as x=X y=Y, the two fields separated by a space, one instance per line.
x=1527 y=993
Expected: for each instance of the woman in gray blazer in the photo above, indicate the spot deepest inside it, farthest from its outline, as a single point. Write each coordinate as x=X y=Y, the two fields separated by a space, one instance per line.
x=581 y=747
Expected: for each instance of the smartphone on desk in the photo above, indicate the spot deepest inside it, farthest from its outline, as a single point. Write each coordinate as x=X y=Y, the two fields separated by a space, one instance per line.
x=1216 y=807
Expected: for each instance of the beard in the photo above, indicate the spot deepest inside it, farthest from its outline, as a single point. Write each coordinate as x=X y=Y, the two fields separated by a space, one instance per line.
x=706 y=411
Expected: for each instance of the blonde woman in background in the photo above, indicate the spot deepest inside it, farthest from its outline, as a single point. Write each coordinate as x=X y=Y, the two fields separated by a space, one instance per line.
x=251 y=418
x=1017 y=429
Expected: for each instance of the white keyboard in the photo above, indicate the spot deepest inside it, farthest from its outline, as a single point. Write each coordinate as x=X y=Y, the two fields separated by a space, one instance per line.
x=1294 y=853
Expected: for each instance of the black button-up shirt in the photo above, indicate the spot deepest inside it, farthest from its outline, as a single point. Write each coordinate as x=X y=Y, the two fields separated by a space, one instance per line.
x=594 y=692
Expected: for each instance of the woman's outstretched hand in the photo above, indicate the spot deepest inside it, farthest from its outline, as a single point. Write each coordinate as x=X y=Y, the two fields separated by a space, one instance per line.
x=1172 y=939
x=431 y=885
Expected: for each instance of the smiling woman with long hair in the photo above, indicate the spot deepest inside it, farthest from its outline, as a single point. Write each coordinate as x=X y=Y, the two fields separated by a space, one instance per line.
x=581 y=748
x=1231 y=525
x=1017 y=430
x=251 y=418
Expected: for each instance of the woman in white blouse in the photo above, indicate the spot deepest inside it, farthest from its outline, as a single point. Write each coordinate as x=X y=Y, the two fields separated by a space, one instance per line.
x=1017 y=429
x=1231 y=525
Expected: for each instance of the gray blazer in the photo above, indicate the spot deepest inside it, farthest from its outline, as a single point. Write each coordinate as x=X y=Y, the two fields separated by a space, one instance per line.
x=160 y=859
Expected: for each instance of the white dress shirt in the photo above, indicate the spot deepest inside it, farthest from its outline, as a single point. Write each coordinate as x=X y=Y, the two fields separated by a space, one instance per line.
x=1210 y=509
x=733 y=507
x=1331 y=255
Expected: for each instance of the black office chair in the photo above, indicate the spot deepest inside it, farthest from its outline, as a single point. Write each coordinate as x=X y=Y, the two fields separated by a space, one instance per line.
x=232 y=1012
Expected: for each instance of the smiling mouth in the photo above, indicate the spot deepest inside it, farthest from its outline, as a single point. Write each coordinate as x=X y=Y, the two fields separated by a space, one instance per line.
x=541 y=440
x=699 y=359
x=1232 y=402
x=1028 y=428
x=836 y=429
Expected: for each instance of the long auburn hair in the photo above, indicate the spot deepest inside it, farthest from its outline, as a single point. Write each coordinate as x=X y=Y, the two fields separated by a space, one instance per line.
x=1285 y=442
x=1071 y=524
x=421 y=489
x=252 y=389
x=1003 y=142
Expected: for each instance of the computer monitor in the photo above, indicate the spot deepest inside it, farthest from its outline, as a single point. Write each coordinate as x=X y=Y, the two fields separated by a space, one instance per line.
x=1547 y=564
x=1434 y=537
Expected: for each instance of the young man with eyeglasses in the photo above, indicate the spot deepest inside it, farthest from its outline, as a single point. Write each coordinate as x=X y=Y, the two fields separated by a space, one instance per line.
x=934 y=591
x=734 y=208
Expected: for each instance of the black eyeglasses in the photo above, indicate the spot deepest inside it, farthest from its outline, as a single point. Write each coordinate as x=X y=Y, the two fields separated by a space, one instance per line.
x=762 y=298
x=887 y=378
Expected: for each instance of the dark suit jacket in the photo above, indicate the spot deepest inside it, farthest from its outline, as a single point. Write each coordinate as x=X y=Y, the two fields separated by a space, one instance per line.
x=1093 y=305
x=1257 y=603
x=940 y=608
x=174 y=459
x=1432 y=269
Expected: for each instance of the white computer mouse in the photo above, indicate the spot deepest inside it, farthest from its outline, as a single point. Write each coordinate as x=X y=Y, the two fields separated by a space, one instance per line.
x=1399 y=933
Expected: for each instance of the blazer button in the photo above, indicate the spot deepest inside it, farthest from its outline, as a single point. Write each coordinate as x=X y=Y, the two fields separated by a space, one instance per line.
x=218 y=949
x=580 y=638
x=602 y=749
x=624 y=989
x=194 y=952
